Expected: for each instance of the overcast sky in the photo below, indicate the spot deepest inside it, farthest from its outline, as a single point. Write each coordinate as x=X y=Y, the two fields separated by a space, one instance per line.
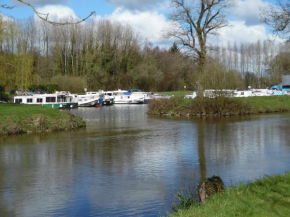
x=149 y=17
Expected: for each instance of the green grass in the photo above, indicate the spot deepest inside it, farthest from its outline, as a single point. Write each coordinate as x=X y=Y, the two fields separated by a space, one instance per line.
x=19 y=118
x=176 y=93
x=267 y=103
x=267 y=197
x=220 y=106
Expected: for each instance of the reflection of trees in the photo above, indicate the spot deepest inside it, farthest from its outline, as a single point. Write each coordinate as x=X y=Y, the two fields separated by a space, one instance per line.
x=201 y=151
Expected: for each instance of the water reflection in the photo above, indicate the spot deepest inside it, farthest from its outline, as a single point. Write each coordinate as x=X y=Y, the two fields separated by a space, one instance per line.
x=127 y=163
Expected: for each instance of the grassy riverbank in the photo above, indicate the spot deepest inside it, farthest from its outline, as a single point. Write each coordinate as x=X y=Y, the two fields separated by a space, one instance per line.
x=19 y=118
x=220 y=106
x=266 y=197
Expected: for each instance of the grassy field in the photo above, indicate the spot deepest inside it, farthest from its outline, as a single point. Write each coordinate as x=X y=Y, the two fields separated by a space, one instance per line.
x=267 y=197
x=220 y=106
x=19 y=118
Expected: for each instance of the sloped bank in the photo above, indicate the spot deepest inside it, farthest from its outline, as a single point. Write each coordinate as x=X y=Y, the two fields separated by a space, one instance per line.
x=265 y=197
x=18 y=118
x=221 y=106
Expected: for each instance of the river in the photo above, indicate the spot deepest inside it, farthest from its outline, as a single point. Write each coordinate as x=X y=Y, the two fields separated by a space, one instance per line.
x=128 y=163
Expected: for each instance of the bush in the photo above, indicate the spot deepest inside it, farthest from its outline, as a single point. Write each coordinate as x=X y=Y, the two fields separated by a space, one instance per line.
x=49 y=88
x=220 y=106
x=2 y=89
x=4 y=97
x=73 y=84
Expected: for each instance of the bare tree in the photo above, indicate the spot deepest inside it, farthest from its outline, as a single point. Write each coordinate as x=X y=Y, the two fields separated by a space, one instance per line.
x=193 y=21
x=242 y=60
x=230 y=57
x=236 y=56
x=278 y=17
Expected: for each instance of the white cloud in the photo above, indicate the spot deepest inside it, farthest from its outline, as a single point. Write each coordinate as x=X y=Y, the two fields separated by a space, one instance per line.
x=57 y=12
x=150 y=24
x=248 y=11
x=5 y=18
x=241 y=33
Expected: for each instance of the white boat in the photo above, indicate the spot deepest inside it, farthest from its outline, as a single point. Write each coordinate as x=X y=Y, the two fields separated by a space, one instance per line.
x=140 y=94
x=125 y=97
x=243 y=93
x=190 y=96
x=56 y=100
x=279 y=93
x=108 y=97
x=213 y=93
x=262 y=92
x=90 y=99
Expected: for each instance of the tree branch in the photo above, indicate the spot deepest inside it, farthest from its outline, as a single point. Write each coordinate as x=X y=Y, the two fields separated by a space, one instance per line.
x=5 y=6
x=40 y=15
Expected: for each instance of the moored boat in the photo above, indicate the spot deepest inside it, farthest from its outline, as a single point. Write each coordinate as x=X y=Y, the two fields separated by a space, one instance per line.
x=141 y=94
x=55 y=100
x=125 y=97
x=108 y=97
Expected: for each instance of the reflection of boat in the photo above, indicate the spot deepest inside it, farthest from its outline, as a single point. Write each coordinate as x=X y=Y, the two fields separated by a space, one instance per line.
x=55 y=100
x=125 y=97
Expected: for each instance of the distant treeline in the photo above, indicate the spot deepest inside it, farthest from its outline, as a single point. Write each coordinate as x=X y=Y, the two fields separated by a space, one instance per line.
x=106 y=55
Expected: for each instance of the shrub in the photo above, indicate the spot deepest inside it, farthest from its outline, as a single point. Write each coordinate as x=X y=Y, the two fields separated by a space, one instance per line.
x=199 y=106
x=49 y=88
x=74 y=84
x=2 y=89
x=4 y=97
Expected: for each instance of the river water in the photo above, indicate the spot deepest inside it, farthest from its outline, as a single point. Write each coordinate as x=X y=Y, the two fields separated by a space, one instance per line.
x=128 y=163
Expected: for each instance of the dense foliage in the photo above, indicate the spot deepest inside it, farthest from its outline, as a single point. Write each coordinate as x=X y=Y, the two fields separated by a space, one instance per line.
x=106 y=55
x=48 y=88
x=3 y=96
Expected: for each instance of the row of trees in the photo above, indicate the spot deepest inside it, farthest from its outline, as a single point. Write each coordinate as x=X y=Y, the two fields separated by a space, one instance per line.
x=106 y=55
x=264 y=61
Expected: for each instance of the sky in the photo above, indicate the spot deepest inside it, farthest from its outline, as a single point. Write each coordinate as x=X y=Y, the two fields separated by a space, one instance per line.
x=150 y=17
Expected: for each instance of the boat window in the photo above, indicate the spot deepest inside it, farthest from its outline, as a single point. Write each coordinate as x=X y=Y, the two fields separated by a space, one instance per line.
x=18 y=100
x=39 y=100
x=242 y=93
x=50 y=99
x=29 y=100
x=61 y=99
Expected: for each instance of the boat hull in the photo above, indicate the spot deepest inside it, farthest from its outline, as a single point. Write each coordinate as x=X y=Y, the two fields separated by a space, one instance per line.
x=60 y=105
